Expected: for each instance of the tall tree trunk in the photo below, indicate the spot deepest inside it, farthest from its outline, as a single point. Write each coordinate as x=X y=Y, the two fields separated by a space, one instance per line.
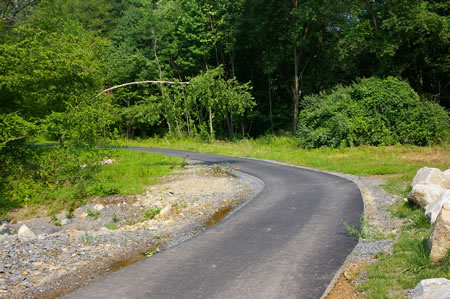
x=297 y=81
x=270 y=103
x=296 y=92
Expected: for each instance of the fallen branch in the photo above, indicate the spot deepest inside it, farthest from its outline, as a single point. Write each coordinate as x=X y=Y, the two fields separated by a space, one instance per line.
x=11 y=139
x=141 y=82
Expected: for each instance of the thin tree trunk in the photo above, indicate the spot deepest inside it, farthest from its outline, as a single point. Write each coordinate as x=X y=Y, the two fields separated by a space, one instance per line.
x=296 y=92
x=231 y=122
x=210 y=123
x=155 y=41
x=228 y=123
x=270 y=104
x=372 y=14
x=297 y=82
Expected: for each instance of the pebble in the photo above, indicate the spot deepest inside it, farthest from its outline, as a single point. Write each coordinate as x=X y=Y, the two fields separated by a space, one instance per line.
x=25 y=265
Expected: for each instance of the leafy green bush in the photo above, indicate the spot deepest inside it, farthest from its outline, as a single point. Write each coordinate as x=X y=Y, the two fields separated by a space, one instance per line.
x=371 y=112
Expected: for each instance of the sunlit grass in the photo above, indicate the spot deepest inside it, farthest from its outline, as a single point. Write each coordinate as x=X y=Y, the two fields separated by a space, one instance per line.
x=397 y=164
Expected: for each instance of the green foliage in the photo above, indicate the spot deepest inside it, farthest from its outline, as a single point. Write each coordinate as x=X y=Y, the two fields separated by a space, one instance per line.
x=150 y=214
x=371 y=112
x=93 y=214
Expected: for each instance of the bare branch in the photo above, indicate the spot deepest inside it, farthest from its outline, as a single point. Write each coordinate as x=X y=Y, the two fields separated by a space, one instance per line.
x=141 y=82
x=12 y=139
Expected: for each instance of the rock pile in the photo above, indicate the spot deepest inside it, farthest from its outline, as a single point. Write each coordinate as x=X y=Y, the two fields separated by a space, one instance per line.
x=431 y=191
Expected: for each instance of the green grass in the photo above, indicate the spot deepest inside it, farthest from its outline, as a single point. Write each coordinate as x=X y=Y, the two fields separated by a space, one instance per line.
x=409 y=262
x=397 y=164
x=130 y=173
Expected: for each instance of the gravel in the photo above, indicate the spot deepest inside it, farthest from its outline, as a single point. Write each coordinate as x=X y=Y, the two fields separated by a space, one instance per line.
x=83 y=248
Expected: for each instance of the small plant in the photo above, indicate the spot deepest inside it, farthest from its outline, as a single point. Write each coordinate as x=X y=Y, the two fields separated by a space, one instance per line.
x=93 y=214
x=87 y=238
x=115 y=219
x=55 y=220
x=360 y=234
x=150 y=214
x=111 y=226
x=69 y=213
x=151 y=252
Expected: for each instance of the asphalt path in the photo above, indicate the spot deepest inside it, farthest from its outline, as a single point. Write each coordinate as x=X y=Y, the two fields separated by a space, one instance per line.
x=288 y=242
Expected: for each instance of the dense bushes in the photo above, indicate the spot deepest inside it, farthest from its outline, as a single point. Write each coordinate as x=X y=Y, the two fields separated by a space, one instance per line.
x=371 y=112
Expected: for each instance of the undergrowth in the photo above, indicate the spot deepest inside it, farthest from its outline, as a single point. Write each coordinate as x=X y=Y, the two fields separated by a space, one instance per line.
x=71 y=179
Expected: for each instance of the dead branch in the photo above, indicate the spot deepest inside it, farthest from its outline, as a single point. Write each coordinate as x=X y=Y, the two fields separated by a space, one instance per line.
x=141 y=82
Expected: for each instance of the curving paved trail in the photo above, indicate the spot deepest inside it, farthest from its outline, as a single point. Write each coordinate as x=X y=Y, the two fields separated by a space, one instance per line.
x=288 y=242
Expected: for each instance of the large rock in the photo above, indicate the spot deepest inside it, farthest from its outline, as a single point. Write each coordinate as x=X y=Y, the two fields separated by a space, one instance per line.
x=439 y=241
x=447 y=174
x=435 y=288
x=423 y=195
x=428 y=175
x=25 y=234
x=432 y=210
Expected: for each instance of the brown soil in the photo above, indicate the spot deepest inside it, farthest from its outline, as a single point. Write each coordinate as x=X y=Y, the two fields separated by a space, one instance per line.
x=344 y=286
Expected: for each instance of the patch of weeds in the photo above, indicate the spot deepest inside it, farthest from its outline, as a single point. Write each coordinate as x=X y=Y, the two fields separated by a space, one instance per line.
x=93 y=214
x=397 y=187
x=150 y=214
x=408 y=264
x=111 y=226
x=151 y=252
x=115 y=219
x=412 y=212
x=69 y=214
x=87 y=238
x=361 y=233
x=219 y=170
x=55 y=220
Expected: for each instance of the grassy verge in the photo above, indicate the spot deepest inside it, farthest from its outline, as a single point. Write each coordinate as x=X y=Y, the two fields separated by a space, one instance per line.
x=397 y=164
x=409 y=262
x=74 y=182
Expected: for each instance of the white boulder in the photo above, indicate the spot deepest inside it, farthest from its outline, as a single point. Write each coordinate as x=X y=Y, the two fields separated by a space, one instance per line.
x=432 y=210
x=435 y=288
x=25 y=234
x=423 y=195
x=439 y=241
x=428 y=175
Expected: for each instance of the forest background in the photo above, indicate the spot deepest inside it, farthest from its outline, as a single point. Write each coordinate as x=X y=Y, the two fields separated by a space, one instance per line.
x=354 y=86
x=328 y=73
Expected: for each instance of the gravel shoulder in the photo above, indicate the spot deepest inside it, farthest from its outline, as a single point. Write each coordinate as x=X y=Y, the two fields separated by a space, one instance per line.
x=112 y=232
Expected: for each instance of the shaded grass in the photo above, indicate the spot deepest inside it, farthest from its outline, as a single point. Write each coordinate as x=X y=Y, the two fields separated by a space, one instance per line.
x=398 y=164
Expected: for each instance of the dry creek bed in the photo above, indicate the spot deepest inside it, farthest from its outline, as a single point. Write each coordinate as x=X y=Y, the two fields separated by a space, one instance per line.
x=112 y=232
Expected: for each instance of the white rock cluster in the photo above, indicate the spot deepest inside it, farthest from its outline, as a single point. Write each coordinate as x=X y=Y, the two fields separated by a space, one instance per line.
x=431 y=191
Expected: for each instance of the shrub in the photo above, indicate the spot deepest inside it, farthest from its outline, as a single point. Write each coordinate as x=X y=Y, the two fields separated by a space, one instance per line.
x=371 y=112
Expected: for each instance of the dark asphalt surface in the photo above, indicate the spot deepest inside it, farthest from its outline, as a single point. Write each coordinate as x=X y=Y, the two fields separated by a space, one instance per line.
x=288 y=242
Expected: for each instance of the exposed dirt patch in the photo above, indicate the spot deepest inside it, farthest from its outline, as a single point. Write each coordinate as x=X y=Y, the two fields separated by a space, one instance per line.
x=115 y=231
x=435 y=155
